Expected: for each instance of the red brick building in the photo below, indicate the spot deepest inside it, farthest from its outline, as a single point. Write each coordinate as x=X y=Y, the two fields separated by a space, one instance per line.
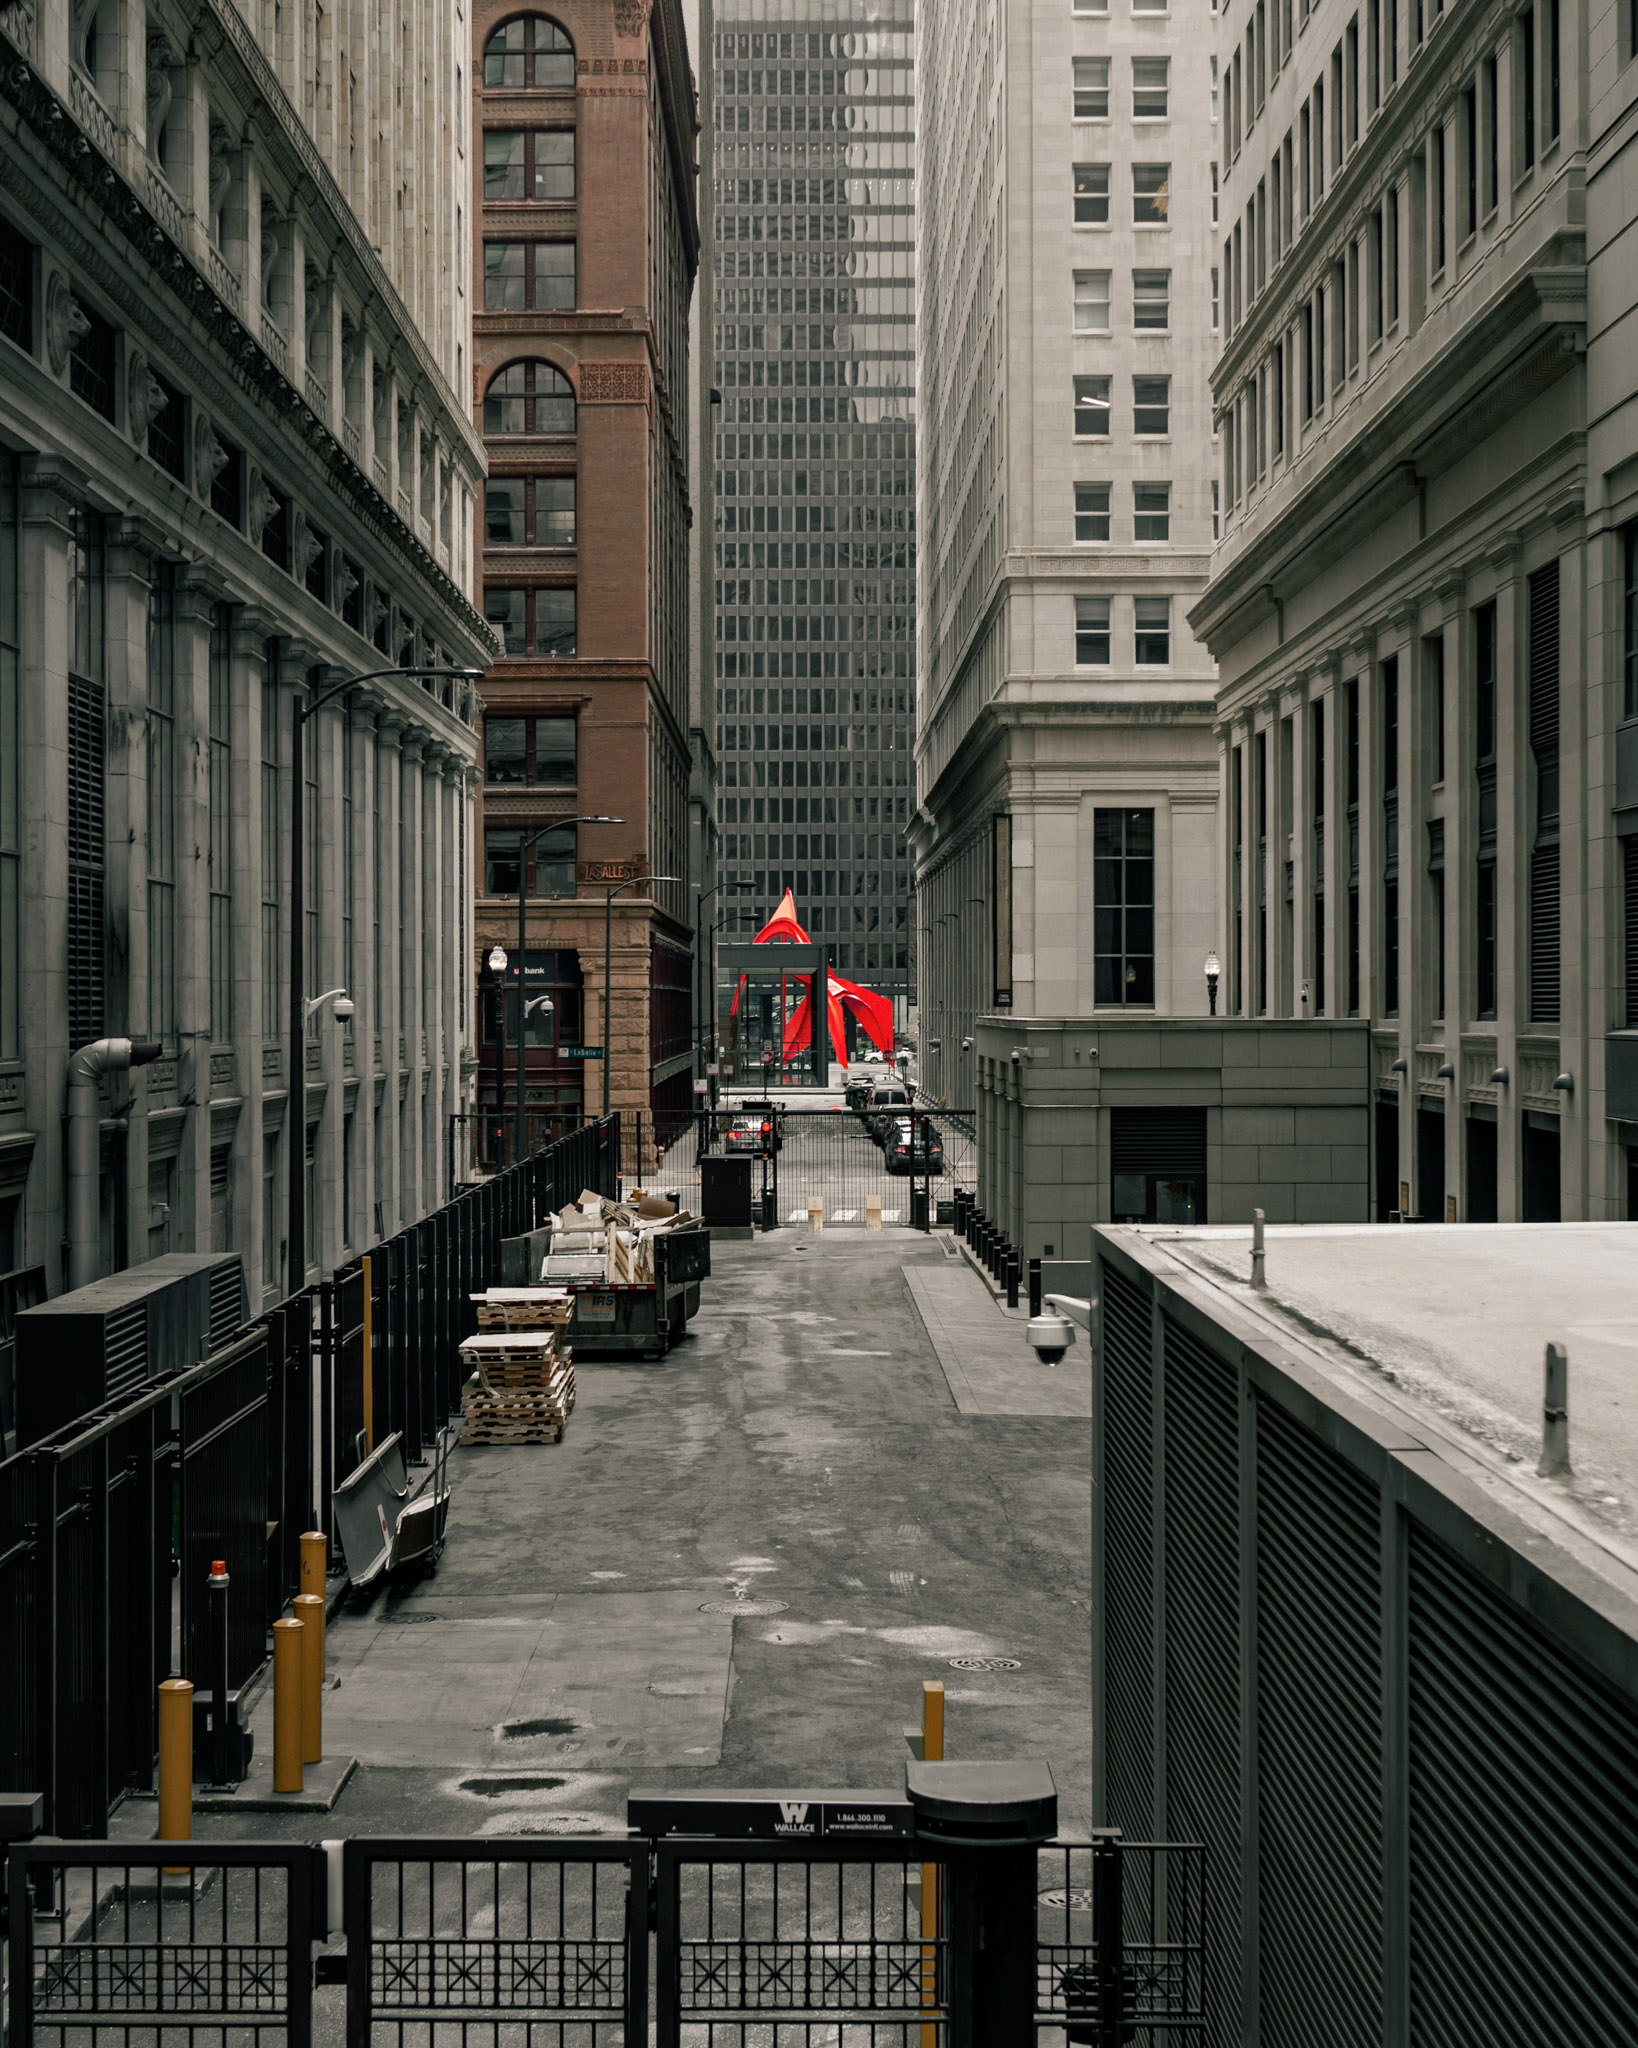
x=584 y=177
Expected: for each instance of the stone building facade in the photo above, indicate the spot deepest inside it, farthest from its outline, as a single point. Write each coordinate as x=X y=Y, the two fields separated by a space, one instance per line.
x=584 y=189
x=1423 y=605
x=1066 y=765
x=233 y=467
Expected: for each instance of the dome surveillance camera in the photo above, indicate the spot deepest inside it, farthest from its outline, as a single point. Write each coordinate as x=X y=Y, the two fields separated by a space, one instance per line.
x=1017 y=1057
x=1051 y=1335
x=345 y=1008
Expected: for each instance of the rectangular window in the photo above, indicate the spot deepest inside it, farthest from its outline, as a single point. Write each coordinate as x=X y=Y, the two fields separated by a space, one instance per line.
x=1091 y=408
x=1151 y=194
x=1151 y=513
x=1492 y=140
x=1091 y=632
x=1553 y=85
x=1484 y=753
x=1092 y=302
x=1527 y=86
x=160 y=761
x=1123 y=944
x=549 y=862
x=11 y=787
x=16 y=288
x=1545 y=858
x=1436 y=908
x=1629 y=929
x=1151 y=405
x=1629 y=619
x=1091 y=88
x=1353 y=81
x=1433 y=668
x=1470 y=157
x=1437 y=146
x=1151 y=298
x=1091 y=6
x=1216 y=300
x=272 y=878
x=1091 y=195
x=529 y=164
x=528 y=276
x=87 y=773
x=1092 y=511
x=221 y=823
x=91 y=362
x=536 y=511
x=529 y=752
x=1215 y=195
x=1151 y=83
x=1152 y=618
x=537 y=621
x=1278 y=367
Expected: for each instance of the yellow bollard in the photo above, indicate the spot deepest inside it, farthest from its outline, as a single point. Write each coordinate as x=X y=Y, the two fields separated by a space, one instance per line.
x=315 y=1561
x=288 y=1640
x=175 y=1760
x=932 y=1749
x=310 y=1613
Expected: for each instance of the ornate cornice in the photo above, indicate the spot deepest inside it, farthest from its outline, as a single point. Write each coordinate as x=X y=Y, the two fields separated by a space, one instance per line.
x=96 y=180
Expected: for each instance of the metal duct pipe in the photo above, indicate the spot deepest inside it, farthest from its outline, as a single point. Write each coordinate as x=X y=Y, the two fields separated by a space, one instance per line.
x=85 y=1071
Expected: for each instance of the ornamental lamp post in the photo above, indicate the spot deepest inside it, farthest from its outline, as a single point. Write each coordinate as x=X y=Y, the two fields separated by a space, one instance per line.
x=1214 y=968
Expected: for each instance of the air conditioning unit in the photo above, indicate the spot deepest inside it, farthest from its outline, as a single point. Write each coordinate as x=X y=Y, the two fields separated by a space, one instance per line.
x=102 y=1343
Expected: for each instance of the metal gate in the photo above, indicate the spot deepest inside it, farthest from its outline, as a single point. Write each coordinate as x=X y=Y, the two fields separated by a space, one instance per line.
x=829 y=1159
x=579 y=1943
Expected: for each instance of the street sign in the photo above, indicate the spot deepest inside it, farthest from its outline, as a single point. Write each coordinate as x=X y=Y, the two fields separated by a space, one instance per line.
x=580 y=1052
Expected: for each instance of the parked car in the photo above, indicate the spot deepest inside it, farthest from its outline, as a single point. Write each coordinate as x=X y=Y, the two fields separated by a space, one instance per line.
x=913 y=1145
x=856 y=1088
x=753 y=1131
x=885 y=1101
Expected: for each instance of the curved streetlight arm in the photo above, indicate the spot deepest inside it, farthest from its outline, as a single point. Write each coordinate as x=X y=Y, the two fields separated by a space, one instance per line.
x=377 y=675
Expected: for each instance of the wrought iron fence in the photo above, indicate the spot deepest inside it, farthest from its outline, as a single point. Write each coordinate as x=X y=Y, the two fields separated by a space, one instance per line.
x=1141 y=1901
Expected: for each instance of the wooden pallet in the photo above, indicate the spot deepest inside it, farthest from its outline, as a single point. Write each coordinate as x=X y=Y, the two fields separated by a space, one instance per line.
x=517 y=1415
x=480 y=1430
x=502 y=1348
x=524 y=1316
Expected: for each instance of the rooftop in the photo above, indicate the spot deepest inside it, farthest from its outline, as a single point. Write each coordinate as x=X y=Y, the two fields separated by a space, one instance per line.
x=1445 y=1330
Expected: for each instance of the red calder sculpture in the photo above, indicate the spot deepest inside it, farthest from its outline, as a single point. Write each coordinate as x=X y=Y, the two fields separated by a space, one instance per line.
x=874 y=1012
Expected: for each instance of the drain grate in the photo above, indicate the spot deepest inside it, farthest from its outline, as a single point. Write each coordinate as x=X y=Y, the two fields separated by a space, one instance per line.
x=409 y=1620
x=985 y=1664
x=754 y=1609
x=1074 y=1902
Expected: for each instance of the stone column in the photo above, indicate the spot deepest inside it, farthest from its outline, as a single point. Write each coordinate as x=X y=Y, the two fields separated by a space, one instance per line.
x=437 y=925
x=1513 y=838
x=234 y=1076
x=363 y=708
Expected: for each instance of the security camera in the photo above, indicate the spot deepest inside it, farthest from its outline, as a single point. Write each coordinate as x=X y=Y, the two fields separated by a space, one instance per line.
x=1017 y=1057
x=1051 y=1334
x=345 y=1008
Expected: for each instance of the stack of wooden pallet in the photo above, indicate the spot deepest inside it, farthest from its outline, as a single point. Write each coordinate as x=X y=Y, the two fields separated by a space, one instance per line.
x=519 y=1389
x=526 y=1308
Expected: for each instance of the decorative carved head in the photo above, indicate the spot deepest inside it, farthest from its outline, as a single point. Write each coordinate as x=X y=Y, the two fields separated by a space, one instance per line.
x=260 y=505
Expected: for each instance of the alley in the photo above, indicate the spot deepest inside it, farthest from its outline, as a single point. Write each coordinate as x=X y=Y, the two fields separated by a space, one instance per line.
x=739 y=1566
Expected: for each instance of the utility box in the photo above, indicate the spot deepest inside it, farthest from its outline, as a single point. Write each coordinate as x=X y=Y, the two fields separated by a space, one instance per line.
x=101 y=1343
x=725 y=1193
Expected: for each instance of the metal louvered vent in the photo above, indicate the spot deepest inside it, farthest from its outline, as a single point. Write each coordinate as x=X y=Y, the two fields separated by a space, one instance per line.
x=1128 y=1546
x=1319 y=1743
x=86 y=875
x=1544 y=691
x=1201 y=1432
x=226 y=1302
x=1158 y=1141
x=1514 y=1745
x=1546 y=974
x=125 y=1358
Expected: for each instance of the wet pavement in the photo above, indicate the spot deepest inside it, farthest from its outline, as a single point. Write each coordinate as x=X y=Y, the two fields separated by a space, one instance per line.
x=737 y=1568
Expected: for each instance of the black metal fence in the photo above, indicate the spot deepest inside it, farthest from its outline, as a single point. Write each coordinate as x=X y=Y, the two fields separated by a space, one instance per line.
x=594 y=1943
x=232 y=1460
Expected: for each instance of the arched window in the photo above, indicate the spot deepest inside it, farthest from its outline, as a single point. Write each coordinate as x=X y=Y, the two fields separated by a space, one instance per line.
x=528 y=398
x=528 y=54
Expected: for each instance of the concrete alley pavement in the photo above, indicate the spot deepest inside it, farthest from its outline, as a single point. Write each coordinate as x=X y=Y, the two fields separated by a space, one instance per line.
x=739 y=1565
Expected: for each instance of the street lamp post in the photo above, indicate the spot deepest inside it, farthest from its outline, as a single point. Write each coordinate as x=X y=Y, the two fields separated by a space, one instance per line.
x=608 y=964
x=1214 y=968
x=525 y=848
x=300 y=1011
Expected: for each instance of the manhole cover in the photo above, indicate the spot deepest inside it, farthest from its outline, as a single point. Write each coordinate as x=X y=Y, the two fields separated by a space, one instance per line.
x=406 y=1620
x=985 y=1664
x=1075 y=1902
x=752 y=1608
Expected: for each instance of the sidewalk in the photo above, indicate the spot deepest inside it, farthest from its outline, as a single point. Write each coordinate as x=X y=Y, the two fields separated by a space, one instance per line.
x=984 y=1353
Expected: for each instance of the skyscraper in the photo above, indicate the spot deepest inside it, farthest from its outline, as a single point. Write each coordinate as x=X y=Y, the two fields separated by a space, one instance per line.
x=814 y=152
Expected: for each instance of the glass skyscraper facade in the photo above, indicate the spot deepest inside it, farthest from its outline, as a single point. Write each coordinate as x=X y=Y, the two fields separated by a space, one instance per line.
x=815 y=453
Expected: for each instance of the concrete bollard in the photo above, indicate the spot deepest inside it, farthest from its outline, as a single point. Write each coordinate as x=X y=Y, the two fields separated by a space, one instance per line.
x=816 y=1215
x=288 y=1639
x=873 y=1213
x=309 y=1609
x=175 y=1760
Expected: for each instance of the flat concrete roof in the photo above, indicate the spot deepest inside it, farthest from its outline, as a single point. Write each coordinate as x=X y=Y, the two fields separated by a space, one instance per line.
x=1445 y=1326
